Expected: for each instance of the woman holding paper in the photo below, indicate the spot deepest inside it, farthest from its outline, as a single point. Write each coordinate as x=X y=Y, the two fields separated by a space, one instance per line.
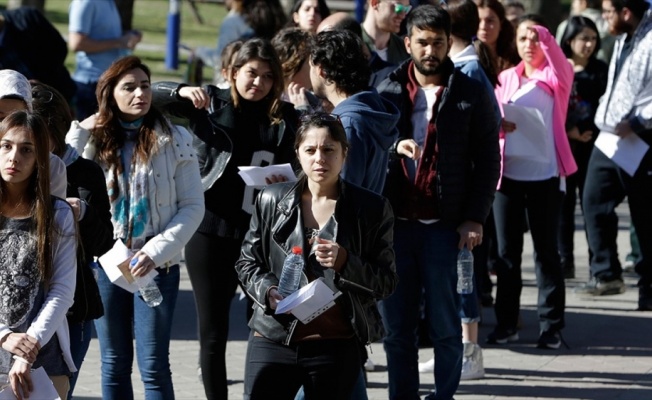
x=38 y=259
x=537 y=91
x=246 y=125
x=154 y=188
x=323 y=354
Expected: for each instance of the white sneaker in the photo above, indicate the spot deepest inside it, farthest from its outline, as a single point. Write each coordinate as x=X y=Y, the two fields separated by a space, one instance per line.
x=369 y=365
x=427 y=367
x=472 y=365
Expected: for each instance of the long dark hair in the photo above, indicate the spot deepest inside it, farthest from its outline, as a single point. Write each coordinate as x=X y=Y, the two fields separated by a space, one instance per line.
x=464 y=25
x=38 y=190
x=505 y=44
x=109 y=134
x=260 y=49
x=575 y=25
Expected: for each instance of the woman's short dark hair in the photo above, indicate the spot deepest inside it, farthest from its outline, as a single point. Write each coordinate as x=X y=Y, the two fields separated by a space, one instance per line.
x=322 y=120
x=293 y=48
x=339 y=54
x=429 y=17
x=575 y=25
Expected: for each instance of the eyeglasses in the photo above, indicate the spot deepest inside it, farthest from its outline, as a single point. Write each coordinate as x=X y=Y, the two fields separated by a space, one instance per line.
x=44 y=96
x=320 y=116
x=400 y=8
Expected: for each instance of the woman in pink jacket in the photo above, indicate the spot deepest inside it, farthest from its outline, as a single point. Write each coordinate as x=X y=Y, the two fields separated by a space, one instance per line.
x=536 y=159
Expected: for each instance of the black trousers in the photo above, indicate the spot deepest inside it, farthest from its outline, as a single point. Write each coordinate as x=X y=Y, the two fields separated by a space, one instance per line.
x=211 y=267
x=606 y=186
x=327 y=369
x=574 y=192
x=542 y=201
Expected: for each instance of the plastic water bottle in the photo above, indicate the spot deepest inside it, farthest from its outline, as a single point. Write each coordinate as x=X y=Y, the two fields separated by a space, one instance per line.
x=465 y=271
x=151 y=295
x=291 y=274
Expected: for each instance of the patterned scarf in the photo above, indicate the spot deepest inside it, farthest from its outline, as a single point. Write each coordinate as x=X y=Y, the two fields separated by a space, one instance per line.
x=130 y=212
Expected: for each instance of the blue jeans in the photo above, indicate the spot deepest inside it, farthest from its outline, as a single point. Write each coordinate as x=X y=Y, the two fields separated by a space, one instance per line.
x=80 y=339
x=426 y=257
x=127 y=316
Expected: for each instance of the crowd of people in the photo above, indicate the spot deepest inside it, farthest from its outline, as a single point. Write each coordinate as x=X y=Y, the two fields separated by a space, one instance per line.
x=429 y=127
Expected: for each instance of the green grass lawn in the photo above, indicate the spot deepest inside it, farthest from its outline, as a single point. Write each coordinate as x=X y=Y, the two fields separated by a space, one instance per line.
x=150 y=17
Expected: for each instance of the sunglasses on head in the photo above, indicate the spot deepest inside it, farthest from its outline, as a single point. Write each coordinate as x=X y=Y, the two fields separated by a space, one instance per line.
x=320 y=117
x=401 y=8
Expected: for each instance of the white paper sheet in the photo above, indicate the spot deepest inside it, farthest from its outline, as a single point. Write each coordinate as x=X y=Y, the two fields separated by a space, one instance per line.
x=115 y=264
x=627 y=152
x=255 y=176
x=308 y=302
x=43 y=388
x=530 y=139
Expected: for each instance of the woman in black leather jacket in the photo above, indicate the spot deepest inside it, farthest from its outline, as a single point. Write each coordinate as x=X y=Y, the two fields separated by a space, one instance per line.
x=246 y=125
x=322 y=355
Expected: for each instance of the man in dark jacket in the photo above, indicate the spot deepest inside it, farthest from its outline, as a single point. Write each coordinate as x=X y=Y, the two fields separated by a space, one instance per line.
x=338 y=72
x=441 y=185
x=31 y=45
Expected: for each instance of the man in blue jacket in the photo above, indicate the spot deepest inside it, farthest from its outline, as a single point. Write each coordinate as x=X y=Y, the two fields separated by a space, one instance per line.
x=441 y=183
x=340 y=73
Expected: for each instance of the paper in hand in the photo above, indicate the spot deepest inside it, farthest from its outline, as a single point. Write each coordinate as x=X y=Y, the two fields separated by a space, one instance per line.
x=255 y=176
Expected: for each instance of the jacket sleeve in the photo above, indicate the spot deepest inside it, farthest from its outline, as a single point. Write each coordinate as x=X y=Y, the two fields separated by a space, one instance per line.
x=374 y=272
x=78 y=138
x=485 y=157
x=165 y=96
x=96 y=229
x=190 y=205
x=254 y=273
x=58 y=181
x=60 y=291
x=562 y=72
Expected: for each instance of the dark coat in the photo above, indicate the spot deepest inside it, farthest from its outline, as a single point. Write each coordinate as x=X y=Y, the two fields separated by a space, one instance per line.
x=32 y=46
x=468 y=163
x=365 y=230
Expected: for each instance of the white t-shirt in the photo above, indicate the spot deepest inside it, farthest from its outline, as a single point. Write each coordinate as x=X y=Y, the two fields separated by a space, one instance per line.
x=382 y=53
x=530 y=95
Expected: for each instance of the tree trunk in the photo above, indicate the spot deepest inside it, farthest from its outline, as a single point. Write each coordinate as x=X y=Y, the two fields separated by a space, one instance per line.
x=40 y=4
x=126 y=10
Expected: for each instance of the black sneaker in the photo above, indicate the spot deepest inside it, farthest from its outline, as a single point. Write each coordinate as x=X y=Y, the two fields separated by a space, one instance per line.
x=597 y=287
x=549 y=340
x=502 y=336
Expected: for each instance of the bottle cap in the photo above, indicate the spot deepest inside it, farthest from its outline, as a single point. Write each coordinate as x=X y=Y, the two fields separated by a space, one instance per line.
x=297 y=250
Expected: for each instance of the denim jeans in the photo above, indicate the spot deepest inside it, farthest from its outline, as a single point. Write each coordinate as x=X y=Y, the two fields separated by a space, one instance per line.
x=85 y=100
x=426 y=256
x=80 y=339
x=126 y=316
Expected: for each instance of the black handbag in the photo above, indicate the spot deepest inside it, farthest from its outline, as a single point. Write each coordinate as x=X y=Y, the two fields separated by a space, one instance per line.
x=88 y=303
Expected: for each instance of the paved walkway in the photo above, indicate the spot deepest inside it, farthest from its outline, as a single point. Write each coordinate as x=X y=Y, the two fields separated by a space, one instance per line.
x=610 y=355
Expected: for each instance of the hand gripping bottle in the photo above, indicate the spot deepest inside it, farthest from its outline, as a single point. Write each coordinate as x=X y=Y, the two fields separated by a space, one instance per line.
x=291 y=274
x=465 y=271
x=150 y=293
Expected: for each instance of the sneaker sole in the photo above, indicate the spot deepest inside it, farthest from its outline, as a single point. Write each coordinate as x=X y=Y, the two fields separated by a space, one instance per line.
x=512 y=338
x=607 y=292
x=549 y=346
